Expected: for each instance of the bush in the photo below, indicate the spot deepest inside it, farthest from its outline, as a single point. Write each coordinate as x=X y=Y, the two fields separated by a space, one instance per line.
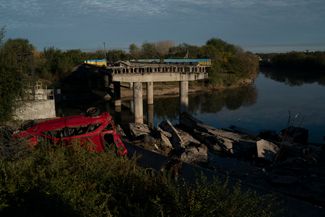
x=73 y=182
x=14 y=57
x=230 y=64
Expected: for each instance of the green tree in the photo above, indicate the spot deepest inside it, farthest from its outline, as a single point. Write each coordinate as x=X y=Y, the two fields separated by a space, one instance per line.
x=116 y=55
x=185 y=51
x=230 y=64
x=148 y=50
x=75 y=56
x=59 y=64
x=16 y=65
x=134 y=51
x=52 y=58
x=2 y=34
x=20 y=53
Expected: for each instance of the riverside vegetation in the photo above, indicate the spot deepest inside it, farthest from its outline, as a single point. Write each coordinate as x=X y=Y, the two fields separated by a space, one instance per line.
x=21 y=64
x=70 y=181
x=60 y=181
x=298 y=61
x=295 y=67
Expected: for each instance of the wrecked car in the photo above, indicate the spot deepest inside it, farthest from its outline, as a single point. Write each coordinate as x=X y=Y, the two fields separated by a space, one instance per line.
x=98 y=130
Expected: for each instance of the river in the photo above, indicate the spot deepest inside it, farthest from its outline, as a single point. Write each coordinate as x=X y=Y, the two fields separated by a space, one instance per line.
x=273 y=102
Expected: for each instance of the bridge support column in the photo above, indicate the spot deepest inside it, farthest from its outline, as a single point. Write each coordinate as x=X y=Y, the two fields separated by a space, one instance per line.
x=150 y=117
x=149 y=93
x=132 y=106
x=131 y=85
x=183 y=99
x=138 y=102
x=117 y=94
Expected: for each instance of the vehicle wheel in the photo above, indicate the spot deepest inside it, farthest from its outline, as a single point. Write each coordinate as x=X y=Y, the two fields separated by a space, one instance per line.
x=92 y=112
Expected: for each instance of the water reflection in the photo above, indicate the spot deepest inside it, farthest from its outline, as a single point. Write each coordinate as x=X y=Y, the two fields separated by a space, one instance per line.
x=211 y=102
x=294 y=78
x=264 y=105
x=150 y=115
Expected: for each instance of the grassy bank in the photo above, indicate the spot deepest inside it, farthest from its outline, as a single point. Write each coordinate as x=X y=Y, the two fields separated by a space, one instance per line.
x=73 y=182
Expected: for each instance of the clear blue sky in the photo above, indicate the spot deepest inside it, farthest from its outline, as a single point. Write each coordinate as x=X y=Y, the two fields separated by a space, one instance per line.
x=256 y=25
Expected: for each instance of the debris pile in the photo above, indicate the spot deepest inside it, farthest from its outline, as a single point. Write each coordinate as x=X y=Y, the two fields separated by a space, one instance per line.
x=283 y=162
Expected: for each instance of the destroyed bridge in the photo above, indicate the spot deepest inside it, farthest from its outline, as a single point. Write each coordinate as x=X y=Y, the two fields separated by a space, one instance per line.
x=149 y=71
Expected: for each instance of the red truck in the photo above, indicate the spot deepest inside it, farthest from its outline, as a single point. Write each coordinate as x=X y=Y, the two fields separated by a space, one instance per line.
x=98 y=130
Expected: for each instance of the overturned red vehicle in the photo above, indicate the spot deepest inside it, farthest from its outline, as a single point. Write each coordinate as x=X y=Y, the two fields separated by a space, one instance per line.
x=98 y=130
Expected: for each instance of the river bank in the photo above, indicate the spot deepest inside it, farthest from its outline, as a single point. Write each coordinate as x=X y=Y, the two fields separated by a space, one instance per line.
x=172 y=88
x=274 y=163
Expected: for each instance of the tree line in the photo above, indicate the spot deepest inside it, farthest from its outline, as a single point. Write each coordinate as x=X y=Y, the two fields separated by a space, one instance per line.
x=21 y=63
x=298 y=61
x=230 y=63
x=53 y=64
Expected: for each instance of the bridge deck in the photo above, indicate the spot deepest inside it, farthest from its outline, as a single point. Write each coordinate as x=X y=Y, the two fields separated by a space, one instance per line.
x=158 y=72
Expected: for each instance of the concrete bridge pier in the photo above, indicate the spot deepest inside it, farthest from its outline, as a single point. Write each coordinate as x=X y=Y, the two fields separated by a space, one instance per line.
x=132 y=106
x=138 y=102
x=183 y=99
x=150 y=93
x=150 y=116
x=150 y=73
x=117 y=94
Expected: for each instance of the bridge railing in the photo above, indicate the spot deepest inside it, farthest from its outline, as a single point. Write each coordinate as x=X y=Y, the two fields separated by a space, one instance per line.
x=157 y=69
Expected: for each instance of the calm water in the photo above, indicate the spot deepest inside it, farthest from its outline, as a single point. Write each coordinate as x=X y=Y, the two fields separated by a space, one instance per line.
x=267 y=104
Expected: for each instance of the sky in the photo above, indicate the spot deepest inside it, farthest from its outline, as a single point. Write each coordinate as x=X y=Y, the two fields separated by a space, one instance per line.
x=255 y=25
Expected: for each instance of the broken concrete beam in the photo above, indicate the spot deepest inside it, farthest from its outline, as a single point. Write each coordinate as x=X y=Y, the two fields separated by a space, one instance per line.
x=228 y=142
x=194 y=124
x=167 y=134
x=229 y=135
x=165 y=141
x=234 y=143
x=187 y=138
x=239 y=145
x=195 y=154
x=266 y=150
x=175 y=138
x=138 y=129
x=212 y=142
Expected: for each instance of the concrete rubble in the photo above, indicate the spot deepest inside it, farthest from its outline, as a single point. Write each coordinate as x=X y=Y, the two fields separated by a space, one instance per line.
x=138 y=130
x=282 y=162
x=266 y=150
x=175 y=138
